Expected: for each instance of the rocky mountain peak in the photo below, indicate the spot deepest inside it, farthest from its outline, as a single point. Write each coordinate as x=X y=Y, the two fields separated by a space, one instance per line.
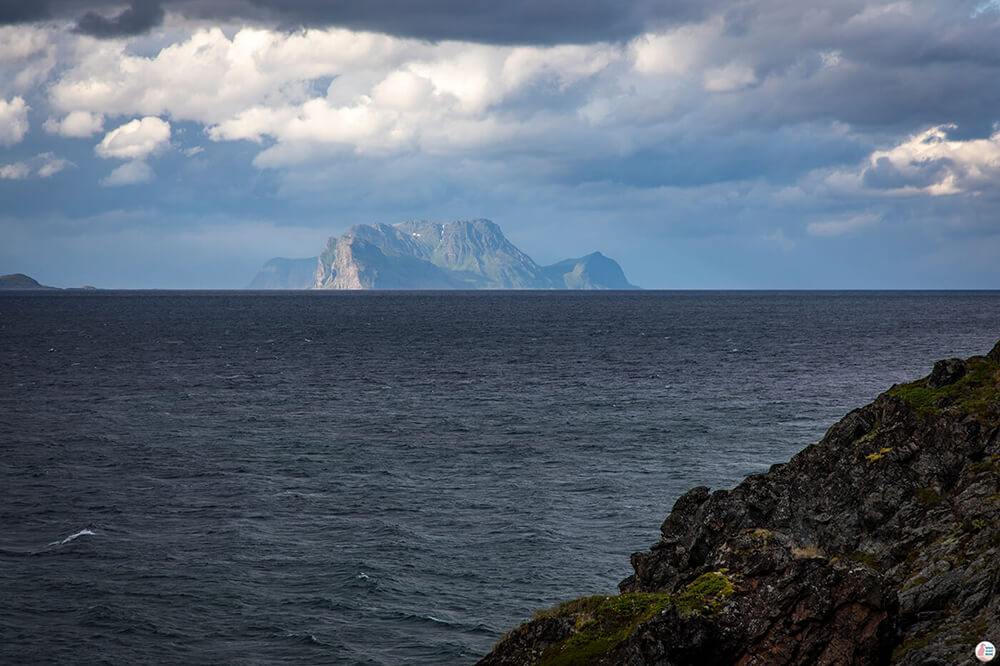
x=466 y=254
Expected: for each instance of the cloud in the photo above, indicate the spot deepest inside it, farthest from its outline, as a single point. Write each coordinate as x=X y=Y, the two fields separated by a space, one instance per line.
x=734 y=76
x=78 y=124
x=51 y=165
x=13 y=120
x=139 y=17
x=44 y=165
x=676 y=51
x=18 y=11
x=15 y=171
x=540 y=22
x=930 y=163
x=839 y=227
x=130 y=173
x=135 y=140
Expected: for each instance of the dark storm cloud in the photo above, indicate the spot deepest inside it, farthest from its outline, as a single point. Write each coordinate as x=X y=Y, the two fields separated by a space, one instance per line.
x=487 y=21
x=19 y=11
x=885 y=176
x=514 y=21
x=140 y=16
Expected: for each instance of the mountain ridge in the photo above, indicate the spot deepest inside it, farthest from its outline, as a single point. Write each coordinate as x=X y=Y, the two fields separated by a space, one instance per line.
x=420 y=254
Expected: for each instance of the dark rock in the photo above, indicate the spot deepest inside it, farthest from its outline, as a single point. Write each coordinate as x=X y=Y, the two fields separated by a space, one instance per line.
x=878 y=545
x=527 y=643
x=994 y=354
x=946 y=372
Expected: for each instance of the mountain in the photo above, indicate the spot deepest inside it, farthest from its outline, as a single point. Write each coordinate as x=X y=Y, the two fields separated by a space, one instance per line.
x=469 y=254
x=20 y=281
x=281 y=273
x=878 y=545
x=595 y=271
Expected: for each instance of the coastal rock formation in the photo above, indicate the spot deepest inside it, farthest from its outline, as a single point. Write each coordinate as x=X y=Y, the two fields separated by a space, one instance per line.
x=878 y=545
x=470 y=254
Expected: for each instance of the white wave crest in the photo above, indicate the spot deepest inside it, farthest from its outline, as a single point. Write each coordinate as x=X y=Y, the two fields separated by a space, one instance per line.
x=83 y=532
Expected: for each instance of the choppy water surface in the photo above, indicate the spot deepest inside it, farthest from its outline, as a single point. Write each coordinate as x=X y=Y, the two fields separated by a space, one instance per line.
x=389 y=478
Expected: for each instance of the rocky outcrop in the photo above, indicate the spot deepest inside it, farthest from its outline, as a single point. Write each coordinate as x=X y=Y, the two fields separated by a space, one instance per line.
x=878 y=545
x=470 y=254
x=20 y=281
x=281 y=273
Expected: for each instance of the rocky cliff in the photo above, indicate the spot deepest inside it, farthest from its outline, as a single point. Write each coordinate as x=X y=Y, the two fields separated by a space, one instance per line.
x=878 y=545
x=469 y=254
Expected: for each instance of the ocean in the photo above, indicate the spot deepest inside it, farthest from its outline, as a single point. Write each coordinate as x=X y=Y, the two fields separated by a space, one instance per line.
x=393 y=477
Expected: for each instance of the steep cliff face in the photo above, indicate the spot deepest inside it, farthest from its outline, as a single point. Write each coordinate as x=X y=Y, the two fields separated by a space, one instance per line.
x=378 y=257
x=470 y=254
x=878 y=545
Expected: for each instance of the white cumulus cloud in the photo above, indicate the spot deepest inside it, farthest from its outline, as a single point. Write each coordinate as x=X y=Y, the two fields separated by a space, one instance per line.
x=13 y=120
x=78 y=124
x=676 y=52
x=931 y=163
x=135 y=140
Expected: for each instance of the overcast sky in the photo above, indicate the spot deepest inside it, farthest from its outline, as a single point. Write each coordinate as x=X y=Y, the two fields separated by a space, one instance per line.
x=701 y=143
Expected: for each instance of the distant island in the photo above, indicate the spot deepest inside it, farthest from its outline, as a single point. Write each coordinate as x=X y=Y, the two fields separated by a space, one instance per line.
x=467 y=254
x=20 y=281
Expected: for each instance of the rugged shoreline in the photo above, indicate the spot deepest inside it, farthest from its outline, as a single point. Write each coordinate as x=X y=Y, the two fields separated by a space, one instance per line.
x=878 y=545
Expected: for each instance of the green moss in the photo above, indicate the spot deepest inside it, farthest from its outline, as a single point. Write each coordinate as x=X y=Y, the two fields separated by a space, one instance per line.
x=986 y=465
x=926 y=496
x=915 y=643
x=868 y=559
x=705 y=594
x=975 y=393
x=975 y=525
x=601 y=624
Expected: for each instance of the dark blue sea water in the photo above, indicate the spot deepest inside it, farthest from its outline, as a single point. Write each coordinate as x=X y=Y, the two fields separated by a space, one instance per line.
x=390 y=478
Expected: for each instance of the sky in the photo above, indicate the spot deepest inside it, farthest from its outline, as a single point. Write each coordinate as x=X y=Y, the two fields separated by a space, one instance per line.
x=703 y=144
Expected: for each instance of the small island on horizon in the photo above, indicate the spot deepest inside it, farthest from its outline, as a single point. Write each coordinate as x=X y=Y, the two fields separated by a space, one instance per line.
x=20 y=281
